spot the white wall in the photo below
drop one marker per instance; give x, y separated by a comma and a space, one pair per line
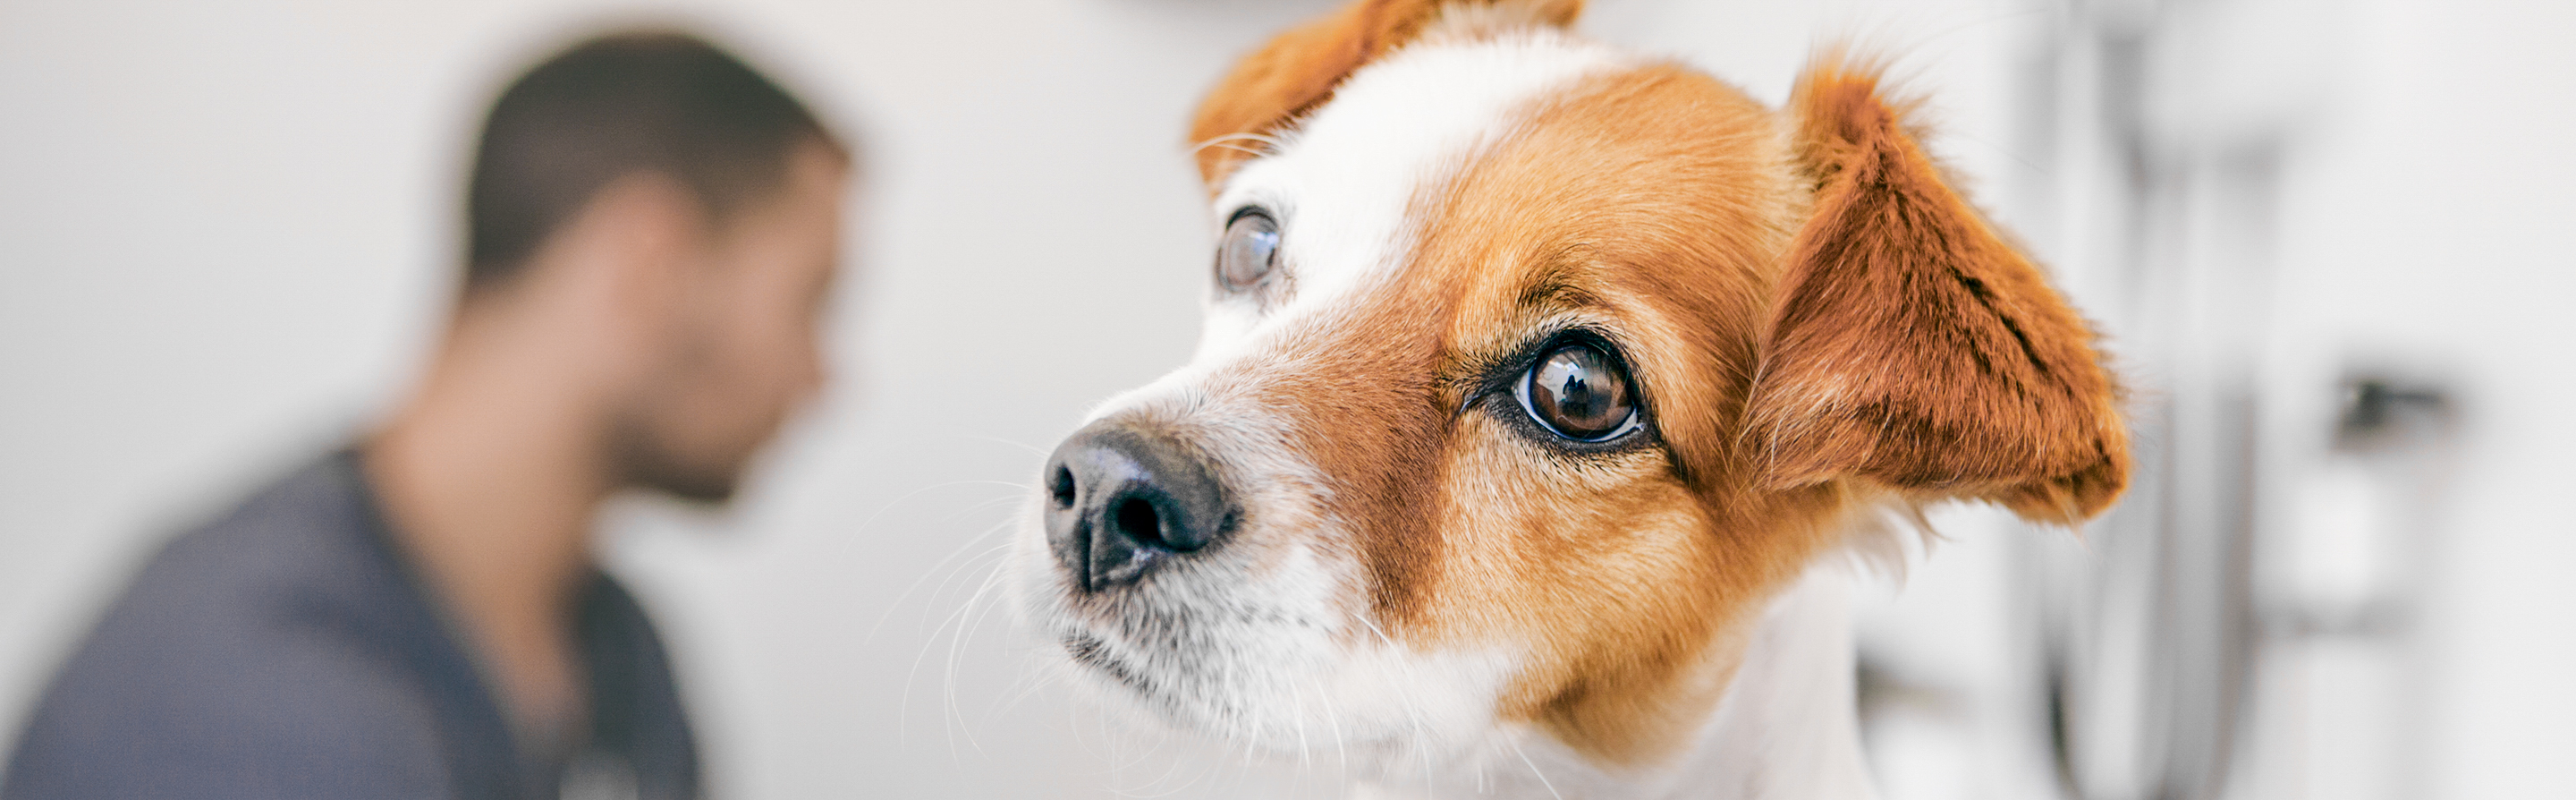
2426, 217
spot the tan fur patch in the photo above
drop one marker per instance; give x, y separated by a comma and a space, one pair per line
1652, 206
1914, 346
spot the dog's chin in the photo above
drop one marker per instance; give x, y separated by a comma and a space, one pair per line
1266, 661
1275, 712
1153, 691
1155, 662
1138, 682
1158, 697
1088, 652
1104, 642
1132, 681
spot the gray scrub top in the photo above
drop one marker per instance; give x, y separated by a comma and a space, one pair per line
287, 650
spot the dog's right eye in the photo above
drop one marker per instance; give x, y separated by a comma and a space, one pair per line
1249, 252
1580, 392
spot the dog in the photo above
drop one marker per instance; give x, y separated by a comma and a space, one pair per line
1543, 390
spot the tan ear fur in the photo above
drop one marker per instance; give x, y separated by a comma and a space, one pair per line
1298, 70
1911, 345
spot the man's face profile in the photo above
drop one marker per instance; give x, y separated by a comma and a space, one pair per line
742, 352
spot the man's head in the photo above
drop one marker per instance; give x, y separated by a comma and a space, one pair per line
681, 212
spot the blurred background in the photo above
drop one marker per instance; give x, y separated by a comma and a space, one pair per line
2324, 239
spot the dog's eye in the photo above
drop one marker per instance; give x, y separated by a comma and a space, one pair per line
1581, 393
1250, 250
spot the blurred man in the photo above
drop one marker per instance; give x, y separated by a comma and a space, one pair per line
653, 229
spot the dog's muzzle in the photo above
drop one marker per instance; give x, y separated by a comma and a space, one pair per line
1123, 501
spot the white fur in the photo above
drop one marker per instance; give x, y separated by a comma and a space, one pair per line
1343, 182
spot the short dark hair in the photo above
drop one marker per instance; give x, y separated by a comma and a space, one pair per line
644, 101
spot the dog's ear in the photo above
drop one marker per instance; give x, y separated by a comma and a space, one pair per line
1298, 70
1911, 345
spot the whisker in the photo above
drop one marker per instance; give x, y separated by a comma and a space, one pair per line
948, 693
1542, 776
1012, 442
962, 548
1297, 702
1271, 142
966, 636
1334, 718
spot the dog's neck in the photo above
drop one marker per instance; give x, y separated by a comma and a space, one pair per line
1785, 727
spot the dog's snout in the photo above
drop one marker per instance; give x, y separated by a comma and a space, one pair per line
1121, 501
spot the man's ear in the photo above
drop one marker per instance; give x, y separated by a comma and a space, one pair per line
639, 243
1911, 346
1298, 70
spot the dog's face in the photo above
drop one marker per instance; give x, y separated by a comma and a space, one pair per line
1531, 370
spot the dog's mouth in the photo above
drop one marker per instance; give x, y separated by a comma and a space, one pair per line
1090, 651
1097, 656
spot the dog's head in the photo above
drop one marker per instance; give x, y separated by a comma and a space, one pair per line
1531, 370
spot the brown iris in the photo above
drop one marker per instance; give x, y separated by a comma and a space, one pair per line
1250, 250
1581, 393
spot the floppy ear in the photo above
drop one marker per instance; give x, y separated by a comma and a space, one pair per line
1912, 346
1298, 70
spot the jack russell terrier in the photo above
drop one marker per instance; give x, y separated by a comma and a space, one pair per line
1538, 380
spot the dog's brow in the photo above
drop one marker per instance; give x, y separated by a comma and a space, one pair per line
1555, 289
1481, 368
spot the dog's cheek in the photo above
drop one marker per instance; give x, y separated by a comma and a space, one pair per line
1598, 573
1549, 538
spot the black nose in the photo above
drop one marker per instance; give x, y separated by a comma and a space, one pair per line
1121, 501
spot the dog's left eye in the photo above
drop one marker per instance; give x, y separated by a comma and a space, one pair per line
1250, 250
1581, 393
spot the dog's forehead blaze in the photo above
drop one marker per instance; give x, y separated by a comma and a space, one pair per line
1653, 202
